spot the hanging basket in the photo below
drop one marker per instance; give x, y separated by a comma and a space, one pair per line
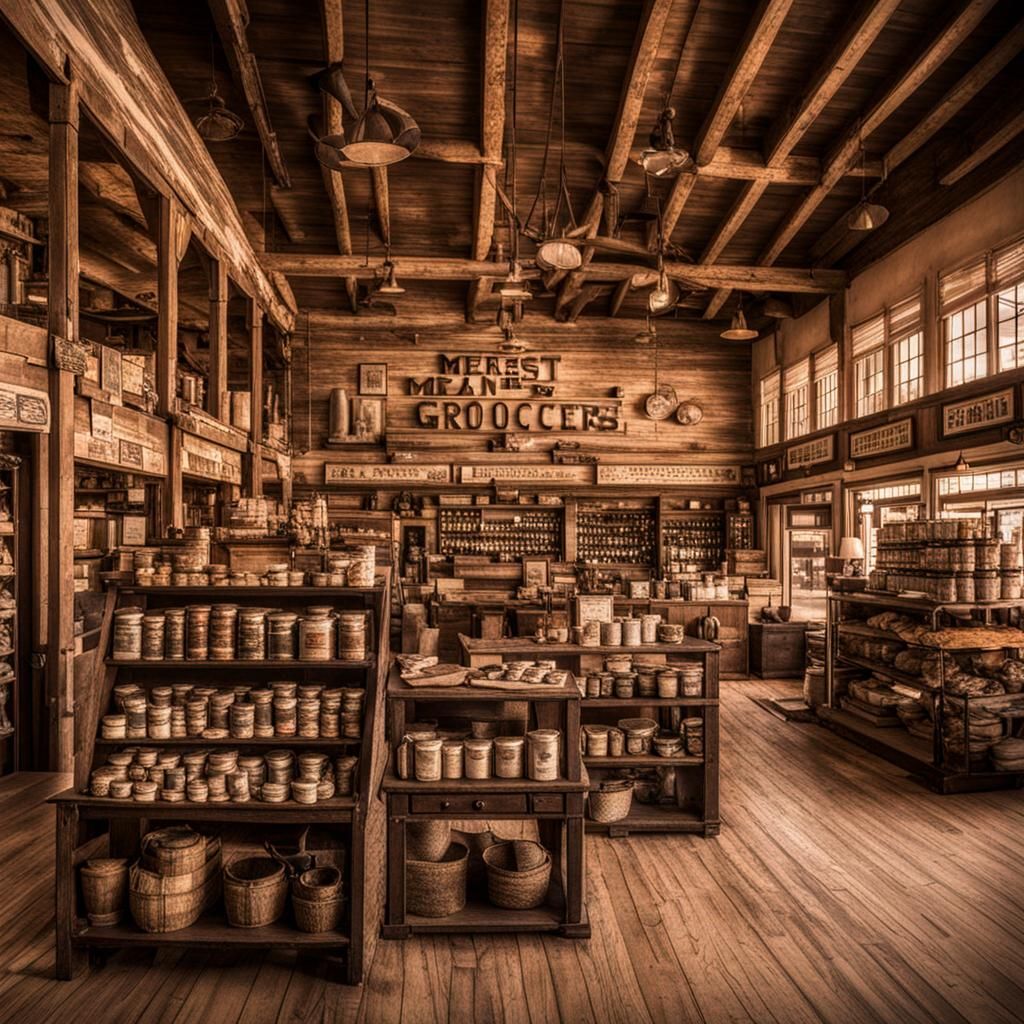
556, 254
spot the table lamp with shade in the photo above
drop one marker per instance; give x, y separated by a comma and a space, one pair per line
851, 551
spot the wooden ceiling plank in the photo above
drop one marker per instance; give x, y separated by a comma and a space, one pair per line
845, 152
957, 97
982, 149
231, 18
787, 132
746, 63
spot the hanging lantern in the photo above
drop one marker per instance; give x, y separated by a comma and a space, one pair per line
663, 158
738, 329
867, 216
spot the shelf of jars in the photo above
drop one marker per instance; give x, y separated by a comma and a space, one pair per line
9, 529
505, 754
617, 536
501, 532
650, 716
935, 688
692, 539
239, 757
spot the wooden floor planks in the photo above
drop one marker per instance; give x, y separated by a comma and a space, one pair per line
839, 890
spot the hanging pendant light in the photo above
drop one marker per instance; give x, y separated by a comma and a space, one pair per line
664, 295
514, 287
216, 123
866, 216
738, 329
663, 158
961, 465
390, 285
648, 335
381, 135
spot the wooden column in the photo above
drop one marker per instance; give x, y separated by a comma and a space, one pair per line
62, 311
254, 316
167, 306
217, 398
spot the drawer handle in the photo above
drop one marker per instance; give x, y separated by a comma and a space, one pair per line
445, 804
478, 805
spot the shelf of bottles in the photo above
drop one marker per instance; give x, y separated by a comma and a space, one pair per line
739, 530
619, 537
500, 533
695, 540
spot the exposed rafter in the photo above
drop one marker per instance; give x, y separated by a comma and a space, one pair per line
231, 18
840, 61
381, 202
634, 87
784, 279
984, 146
746, 63
495, 60
334, 38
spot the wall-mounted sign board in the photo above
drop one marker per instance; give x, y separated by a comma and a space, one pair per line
385, 473
210, 461
890, 437
810, 453
120, 437
24, 408
540, 474
977, 413
670, 475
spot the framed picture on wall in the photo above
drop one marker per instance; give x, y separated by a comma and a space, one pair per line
368, 419
536, 571
373, 379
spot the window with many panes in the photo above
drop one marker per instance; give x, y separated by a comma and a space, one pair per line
982, 309
888, 357
868, 340
769, 405
796, 385
826, 388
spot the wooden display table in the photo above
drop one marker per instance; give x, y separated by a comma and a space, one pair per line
89, 826
696, 784
556, 806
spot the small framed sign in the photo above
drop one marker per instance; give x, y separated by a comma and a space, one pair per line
890, 437
594, 608
373, 379
133, 530
977, 413
536, 571
810, 453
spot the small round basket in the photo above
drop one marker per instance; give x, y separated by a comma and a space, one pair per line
315, 916
427, 840
611, 801
437, 888
317, 884
509, 886
255, 892
104, 889
177, 850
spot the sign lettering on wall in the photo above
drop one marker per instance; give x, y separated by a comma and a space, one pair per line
497, 392
24, 408
977, 413
892, 437
669, 475
581, 474
209, 460
385, 473
810, 453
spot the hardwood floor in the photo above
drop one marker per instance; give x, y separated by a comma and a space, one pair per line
839, 890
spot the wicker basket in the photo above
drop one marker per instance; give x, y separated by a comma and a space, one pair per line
104, 888
317, 884
427, 840
510, 887
611, 801
165, 904
317, 915
437, 888
173, 851
255, 892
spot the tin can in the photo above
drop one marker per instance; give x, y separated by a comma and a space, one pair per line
508, 757
542, 754
478, 758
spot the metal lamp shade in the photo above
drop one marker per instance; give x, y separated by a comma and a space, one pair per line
851, 549
665, 163
867, 216
738, 329
557, 254
383, 134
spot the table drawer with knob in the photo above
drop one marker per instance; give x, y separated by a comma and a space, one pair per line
463, 803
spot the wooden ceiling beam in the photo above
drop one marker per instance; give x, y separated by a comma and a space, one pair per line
845, 152
746, 63
492, 137
381, 203
620, 143
789, 129
983, 147
333, 21
957, 97
427, 268
231, 18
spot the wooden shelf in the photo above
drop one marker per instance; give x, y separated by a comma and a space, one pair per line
212, 931
921, 604
478, 917
642, 761
655, 818
649, 702
393, 784
229, 741
892, 674
305, 593
277, 666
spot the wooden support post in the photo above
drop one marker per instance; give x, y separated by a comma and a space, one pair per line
64, 886
62, 311
217, 403
167, 306
254, 316
173, 490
